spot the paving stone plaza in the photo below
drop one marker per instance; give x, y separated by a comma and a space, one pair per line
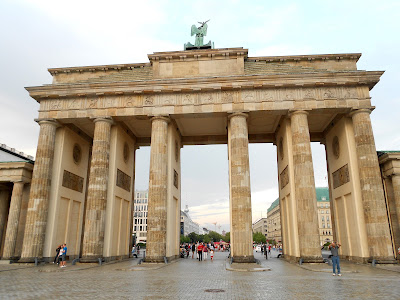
191, 279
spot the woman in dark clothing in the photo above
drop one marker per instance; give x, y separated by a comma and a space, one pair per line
57, 258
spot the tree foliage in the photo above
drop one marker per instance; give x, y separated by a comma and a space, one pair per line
259, 238
212, 236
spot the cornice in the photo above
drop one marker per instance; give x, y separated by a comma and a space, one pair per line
314, 57
54, 71
223, 53
328, 79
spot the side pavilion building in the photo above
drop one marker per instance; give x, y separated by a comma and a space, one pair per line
93, 118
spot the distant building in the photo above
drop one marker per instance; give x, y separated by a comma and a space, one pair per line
140, 203
187, 224
223, 232
324, 218
261, 226
274, 222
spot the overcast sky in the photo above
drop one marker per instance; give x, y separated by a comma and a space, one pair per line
40, 34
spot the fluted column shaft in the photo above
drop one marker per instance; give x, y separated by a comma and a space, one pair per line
241, 227
13, 220
93, 240
157, 206
373, 199
304, 185
36, 218
395, 203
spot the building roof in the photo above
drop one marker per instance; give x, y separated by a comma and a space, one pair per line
273, 205
380, 153
322, 196
12, 155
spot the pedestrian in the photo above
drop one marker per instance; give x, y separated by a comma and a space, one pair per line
193, 250
57, 258
64, 256
205, 251
269, 249
265, 251
335, 258
212, 254
200, 252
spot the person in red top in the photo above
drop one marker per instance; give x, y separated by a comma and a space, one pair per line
200, 251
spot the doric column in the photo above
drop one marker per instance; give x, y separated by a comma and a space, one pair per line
4, 205
93, 240
13, 220
373, 199
304, 184
36, 218
157, 206
240, 202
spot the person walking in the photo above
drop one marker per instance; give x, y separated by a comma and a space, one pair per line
57, 258
193, 249
335, 258
212, 254
64, 256
200, 252
205, 251
269, 249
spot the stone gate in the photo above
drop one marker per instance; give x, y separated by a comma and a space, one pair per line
92, 119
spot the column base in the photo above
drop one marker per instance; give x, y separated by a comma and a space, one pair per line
243, 259
91, 259
304, 259
30, 259
155, 259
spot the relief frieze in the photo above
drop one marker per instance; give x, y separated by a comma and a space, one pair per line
341, 176
284, 177
199, 98
123, 180
72, 181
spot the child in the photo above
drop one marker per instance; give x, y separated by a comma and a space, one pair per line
212, 254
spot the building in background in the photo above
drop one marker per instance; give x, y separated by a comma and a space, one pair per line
140, 216
274, 222
324, 215
324, 218
261, 226
187, 224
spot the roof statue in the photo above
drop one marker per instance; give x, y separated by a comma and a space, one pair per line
200, 33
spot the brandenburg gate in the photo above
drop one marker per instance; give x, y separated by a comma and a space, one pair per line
92, 119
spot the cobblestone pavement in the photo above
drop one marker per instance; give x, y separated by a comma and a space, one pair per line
191, 279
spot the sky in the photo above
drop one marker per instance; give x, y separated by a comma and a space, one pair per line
40, 34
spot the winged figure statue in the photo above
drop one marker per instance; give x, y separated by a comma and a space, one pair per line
200, 33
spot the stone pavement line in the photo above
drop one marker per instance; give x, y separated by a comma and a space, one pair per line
245, 267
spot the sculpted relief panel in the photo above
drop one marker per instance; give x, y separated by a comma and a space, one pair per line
198, 98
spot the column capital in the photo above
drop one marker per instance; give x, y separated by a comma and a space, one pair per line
103, 119
165, 118
361, 110
238, 114
48, 121
297, 112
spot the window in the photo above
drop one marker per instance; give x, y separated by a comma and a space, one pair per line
134, 229
323, 225
322, 219
329, 225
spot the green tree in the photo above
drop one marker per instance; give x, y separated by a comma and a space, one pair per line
215, 236
227, 237
206, 239
259, 238
185, 239
193, 237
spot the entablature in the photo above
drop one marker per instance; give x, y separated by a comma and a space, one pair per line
353, 78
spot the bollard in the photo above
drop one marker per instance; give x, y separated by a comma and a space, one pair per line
165, 260
75, 261
374, 262
36, 261
300, 261
100, 261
